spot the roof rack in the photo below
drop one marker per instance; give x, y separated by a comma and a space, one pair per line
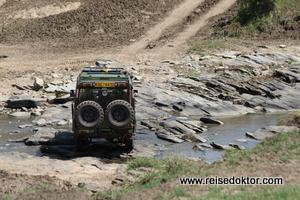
102, 70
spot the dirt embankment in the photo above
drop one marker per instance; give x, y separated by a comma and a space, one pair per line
80, 24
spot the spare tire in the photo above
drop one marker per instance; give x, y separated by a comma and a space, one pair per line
119, 114
89, 115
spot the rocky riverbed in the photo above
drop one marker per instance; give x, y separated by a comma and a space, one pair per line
176, 100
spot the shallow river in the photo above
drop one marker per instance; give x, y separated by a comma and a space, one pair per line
232, 129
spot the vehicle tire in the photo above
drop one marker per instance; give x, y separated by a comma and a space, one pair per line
89, 115
129, 142
119, 114
79, 142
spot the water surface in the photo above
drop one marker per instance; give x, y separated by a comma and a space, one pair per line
233, 128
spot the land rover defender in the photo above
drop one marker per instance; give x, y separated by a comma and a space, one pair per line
104, 106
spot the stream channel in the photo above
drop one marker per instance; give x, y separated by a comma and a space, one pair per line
233, 128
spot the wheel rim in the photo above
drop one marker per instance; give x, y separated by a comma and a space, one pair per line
88, 115
119, 115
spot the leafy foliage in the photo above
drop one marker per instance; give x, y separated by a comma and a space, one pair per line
251, 10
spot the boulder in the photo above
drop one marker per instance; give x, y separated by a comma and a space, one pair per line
26, 101
282, 46
38, 84
41, 122
21, 114
210, 121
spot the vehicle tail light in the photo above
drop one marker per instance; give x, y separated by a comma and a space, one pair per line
87, 84
122, 84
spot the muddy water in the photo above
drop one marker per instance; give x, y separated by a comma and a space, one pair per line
233, 128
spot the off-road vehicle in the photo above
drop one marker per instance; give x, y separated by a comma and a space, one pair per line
104, 106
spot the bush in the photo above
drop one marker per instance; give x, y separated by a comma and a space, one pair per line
253, 10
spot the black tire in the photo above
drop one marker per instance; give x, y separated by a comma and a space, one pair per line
119, 114
89, 115
79, 142
129, 142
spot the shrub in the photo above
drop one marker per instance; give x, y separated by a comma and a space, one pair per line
253, 10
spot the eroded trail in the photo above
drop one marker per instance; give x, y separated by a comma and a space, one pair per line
172, 49
173, 18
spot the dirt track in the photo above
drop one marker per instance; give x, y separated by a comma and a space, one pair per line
172, 49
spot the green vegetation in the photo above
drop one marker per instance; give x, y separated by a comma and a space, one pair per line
41, 187
5, 198
283, 148
282, 145
295, 121
253, 17
210, 47
179, 192
160, 171
257, 16
203, 46
266, 193
254, 10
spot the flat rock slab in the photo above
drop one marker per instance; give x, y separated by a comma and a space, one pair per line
270, 131
221, 147
21, 114
210, 121
237, 146
51, 136
176, 127
190, 137
170, 137
90, 171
